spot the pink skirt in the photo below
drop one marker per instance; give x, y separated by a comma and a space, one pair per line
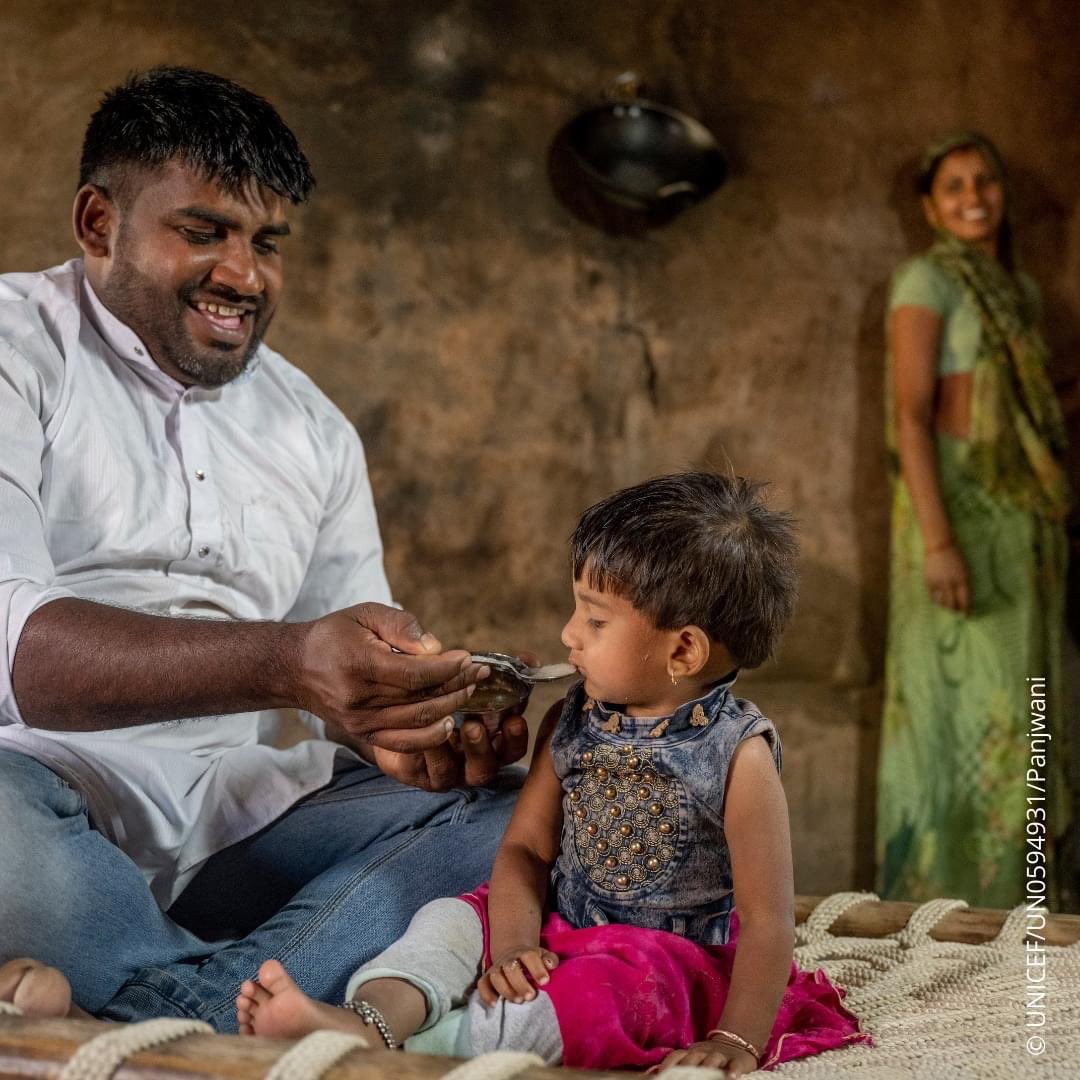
626, 997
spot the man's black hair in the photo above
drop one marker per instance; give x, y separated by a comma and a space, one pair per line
696, 549
211, 124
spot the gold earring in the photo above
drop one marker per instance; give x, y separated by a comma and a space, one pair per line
674, 681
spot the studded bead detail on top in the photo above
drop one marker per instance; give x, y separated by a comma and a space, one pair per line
625, 817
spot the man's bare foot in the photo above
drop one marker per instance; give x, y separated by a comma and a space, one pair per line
277, 1007
36, 990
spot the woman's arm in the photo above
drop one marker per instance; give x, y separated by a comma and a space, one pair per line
519, 879
916, 338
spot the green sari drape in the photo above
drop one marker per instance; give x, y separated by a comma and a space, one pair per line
952, 795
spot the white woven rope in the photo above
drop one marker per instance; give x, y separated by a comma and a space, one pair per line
315, 1054
1013, 930
942, 1008
498, 1065
923, 920
99, 1058
816, 926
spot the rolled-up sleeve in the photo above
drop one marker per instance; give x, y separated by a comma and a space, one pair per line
27, 573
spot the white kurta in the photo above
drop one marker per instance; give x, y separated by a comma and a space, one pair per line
120, 485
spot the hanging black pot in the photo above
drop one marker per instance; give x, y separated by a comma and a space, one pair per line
640, 156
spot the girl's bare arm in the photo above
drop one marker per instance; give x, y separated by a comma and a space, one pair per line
758, 836
519, 879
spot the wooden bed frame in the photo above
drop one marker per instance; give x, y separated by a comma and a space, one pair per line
38, 1048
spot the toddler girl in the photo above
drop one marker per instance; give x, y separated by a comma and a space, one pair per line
607, 936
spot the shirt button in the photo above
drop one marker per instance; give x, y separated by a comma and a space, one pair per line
203, 552
200, 474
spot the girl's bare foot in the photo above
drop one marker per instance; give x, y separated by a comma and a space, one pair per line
277, 1007
36, 990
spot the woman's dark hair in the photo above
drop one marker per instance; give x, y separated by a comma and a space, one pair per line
211, 124
970, 140
696, 549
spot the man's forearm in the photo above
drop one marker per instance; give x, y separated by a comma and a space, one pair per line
83, 666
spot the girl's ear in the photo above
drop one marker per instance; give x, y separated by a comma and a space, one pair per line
690, 651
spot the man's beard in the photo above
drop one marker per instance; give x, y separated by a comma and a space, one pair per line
134, 298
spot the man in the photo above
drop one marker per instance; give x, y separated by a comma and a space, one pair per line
183, 519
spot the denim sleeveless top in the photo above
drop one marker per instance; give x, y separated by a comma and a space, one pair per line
643, 824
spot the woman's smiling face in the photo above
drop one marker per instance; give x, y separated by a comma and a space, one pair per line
967, 198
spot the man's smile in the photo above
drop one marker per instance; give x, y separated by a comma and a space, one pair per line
222, 321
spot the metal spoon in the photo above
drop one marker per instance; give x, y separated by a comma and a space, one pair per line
518, 667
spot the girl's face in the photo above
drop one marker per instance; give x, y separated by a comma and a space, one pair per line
967, 198
621, 656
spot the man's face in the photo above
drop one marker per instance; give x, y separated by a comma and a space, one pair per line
195, 272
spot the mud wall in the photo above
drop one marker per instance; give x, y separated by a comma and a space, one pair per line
507, 363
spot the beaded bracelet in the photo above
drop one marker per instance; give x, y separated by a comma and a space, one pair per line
370, 1015
736, 1040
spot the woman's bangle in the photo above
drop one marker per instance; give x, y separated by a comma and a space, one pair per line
934, 549
735, 1040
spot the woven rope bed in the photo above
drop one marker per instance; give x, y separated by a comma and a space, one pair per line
943, 989
940, 1008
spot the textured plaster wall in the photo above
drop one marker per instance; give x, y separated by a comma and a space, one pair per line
507, 364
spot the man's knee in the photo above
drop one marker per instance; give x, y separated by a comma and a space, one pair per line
40, 813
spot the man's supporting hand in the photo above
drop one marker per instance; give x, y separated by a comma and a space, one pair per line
471, 758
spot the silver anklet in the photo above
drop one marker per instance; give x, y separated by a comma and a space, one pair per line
370, 1015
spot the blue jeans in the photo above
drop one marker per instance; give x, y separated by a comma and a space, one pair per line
323, 889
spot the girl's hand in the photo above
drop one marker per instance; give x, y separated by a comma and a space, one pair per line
711, 1054
945, 572
509, 974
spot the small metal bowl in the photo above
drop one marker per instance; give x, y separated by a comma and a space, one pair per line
501, 695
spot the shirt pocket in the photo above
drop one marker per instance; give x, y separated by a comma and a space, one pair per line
271, 555
267, 522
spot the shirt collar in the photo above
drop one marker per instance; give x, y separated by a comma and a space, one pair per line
121, 338
123, 341
694, 714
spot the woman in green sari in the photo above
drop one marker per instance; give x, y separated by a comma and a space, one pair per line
977, 570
